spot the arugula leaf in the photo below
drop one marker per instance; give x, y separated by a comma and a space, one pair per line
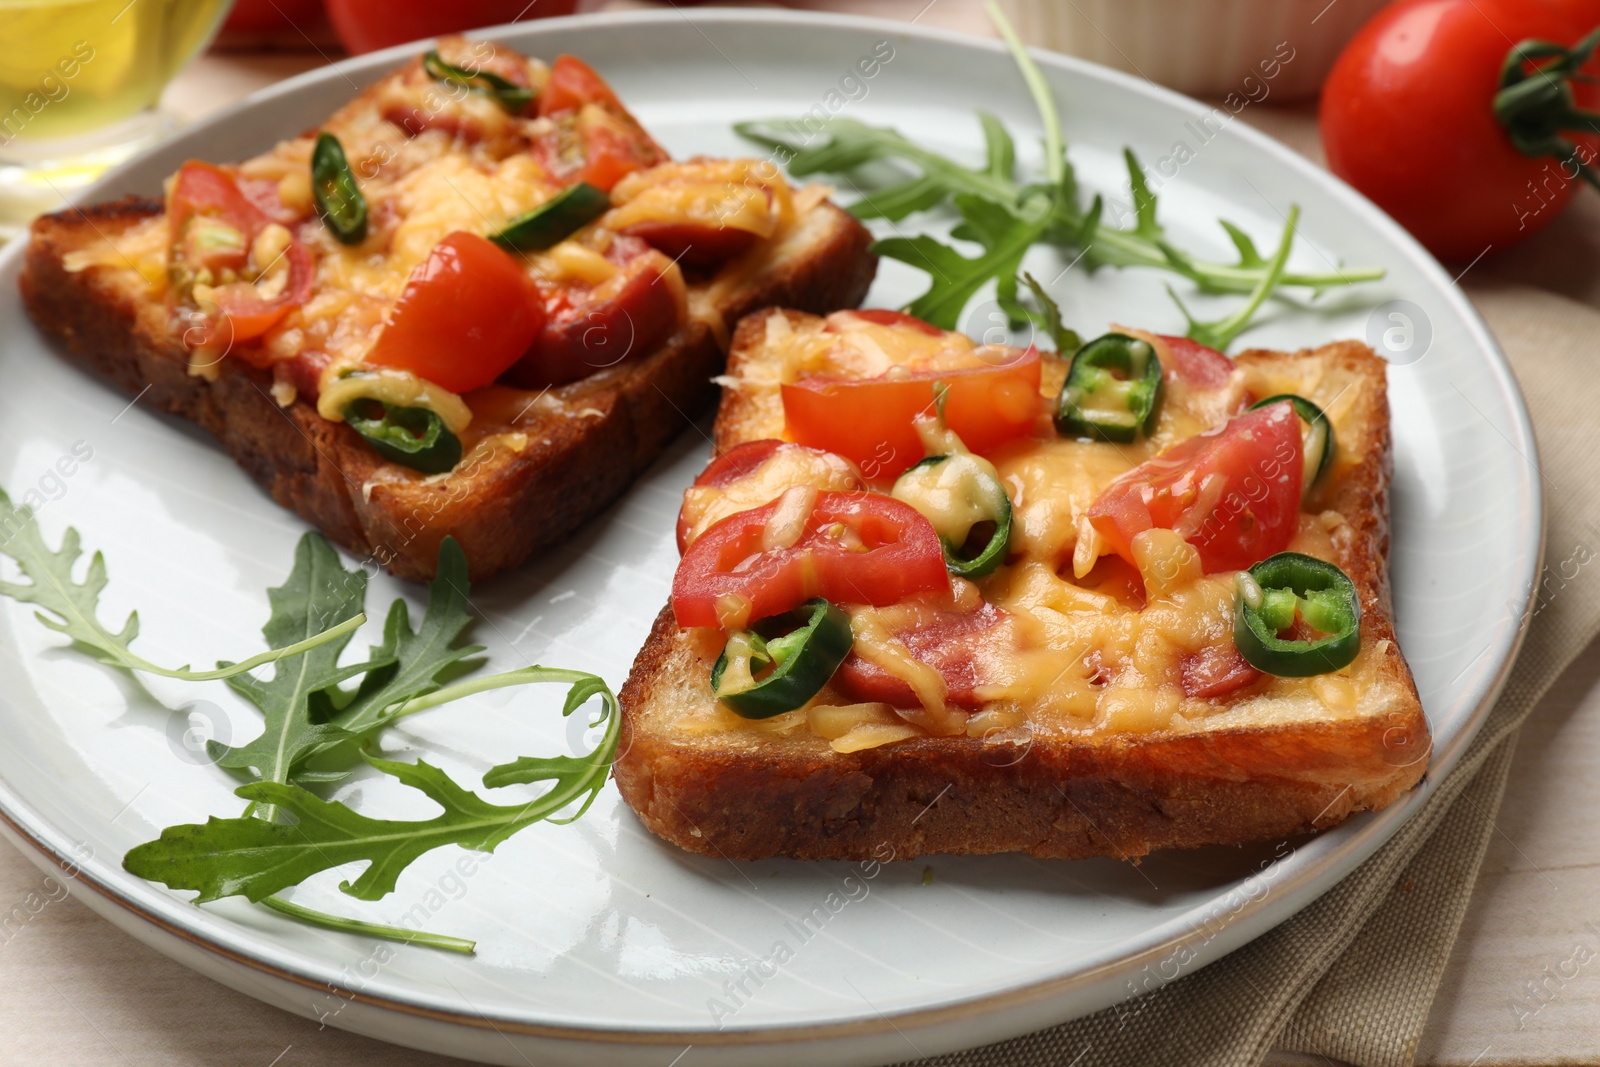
954, 278
1220, 334
296, 702
69, 606
366, 929
415, 662
1048, 319
863, 153
255, 858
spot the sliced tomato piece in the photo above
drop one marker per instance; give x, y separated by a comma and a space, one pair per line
949, 643
595, 139
756, 473
887, 317
852, 548
628, 316
213, 225
468, 312
246, 314
869, 420
1215, 671
206, 189
1233, 492
1196, 363
738, 461
572, 84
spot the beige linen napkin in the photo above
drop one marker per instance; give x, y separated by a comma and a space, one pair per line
1352, 977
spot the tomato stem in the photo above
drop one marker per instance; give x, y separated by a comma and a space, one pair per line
1536, 103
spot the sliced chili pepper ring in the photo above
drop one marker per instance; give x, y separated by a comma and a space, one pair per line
801, 660
338, 197
1112, 391
1286, 588
412, 437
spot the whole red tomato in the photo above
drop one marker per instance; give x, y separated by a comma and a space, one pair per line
273, 16
1407, 119
368, 25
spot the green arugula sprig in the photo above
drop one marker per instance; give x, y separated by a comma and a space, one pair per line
1005, 217
69, 606
254, 858
315, 731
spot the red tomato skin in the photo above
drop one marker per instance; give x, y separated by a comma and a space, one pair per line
888, 317
205, 188
241, 316
365, 26
589, 117
468, 313
273, 16
869, 421
948, 644
1251, 516
738, 461
572, 84
903, 557
1406, 118
1196, 363
583, 333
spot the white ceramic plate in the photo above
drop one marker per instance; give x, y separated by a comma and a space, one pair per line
596, 940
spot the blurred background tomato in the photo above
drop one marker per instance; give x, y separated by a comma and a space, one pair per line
367, 25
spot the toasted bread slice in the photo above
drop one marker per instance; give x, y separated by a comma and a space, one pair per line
542, 463
1267, 761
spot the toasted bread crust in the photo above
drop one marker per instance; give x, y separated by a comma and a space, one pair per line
510, 504
1120, 795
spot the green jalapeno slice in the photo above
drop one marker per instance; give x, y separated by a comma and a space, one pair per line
1290, 592
514, 98
1112, 391
338, 197
1319, 440
412, 437
554, 220
765, 672
961, 494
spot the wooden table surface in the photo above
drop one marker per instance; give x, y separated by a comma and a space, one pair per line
1522, 986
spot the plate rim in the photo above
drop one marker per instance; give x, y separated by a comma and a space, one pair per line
22, 823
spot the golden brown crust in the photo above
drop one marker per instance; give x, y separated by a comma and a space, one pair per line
1057, 795
511, 502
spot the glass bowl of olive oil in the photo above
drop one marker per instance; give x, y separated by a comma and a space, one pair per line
79, 84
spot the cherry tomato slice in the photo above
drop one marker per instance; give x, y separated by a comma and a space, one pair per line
246, 315
854, 548
869, 421
1196, 363
240, 313
949, 643
888, 317
596, 139
572, 84
468, 312
1233, 492
756, 473
628, 316
737, 462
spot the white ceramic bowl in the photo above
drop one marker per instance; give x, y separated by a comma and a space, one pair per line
1256, 48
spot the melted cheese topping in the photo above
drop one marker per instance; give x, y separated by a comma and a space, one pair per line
433, 158
1088, 650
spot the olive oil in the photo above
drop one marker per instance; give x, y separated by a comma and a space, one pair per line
71, 67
